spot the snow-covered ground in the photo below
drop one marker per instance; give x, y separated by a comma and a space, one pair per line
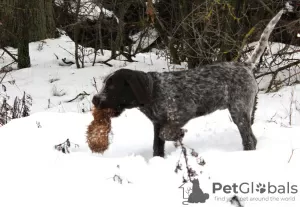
33, 173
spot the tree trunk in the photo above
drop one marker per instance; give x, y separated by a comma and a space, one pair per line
23, 19
41, 24
50, 23
8, 29
76, 33
37, 24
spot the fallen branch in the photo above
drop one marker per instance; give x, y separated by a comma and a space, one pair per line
81, 94
67, 62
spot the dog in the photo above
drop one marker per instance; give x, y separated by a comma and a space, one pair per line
171, 99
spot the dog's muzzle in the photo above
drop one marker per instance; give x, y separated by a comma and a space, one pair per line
97, 99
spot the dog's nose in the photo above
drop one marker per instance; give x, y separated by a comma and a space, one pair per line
96, 100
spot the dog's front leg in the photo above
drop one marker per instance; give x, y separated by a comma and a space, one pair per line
171, 132
158, 143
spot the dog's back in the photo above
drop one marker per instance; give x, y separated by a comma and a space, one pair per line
202, 90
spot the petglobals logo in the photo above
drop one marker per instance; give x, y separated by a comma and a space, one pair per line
256, 192
251, 188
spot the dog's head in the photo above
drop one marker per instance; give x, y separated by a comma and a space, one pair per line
124, 89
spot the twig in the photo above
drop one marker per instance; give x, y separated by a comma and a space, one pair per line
279, 69
66, 50
106, 62
56, 56
4, 67
275, 73
185, 157
67, 62
292, 154
235, 201
266, 7
271, 120
9, 53
191, 173
111, 58
2, 54
81, 94
291, 107
118, 178
3, 77
64, 147
95, 84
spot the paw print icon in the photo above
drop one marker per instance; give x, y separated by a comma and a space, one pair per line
261, 188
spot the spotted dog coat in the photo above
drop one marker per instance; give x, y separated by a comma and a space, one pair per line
171, 99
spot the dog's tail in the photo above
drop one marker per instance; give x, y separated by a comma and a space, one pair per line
262, 43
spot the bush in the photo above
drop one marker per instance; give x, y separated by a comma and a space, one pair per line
20, 108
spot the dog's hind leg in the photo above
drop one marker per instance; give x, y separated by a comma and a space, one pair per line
242, 119
158, 143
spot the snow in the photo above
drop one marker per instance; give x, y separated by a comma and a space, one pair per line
33, 173
144, 38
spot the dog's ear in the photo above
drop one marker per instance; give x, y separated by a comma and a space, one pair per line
141, 85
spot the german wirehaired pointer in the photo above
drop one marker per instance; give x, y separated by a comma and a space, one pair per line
171, 99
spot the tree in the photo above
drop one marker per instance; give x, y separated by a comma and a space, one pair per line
41, 22
50, 22
76, 33
23, 22
23, 19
